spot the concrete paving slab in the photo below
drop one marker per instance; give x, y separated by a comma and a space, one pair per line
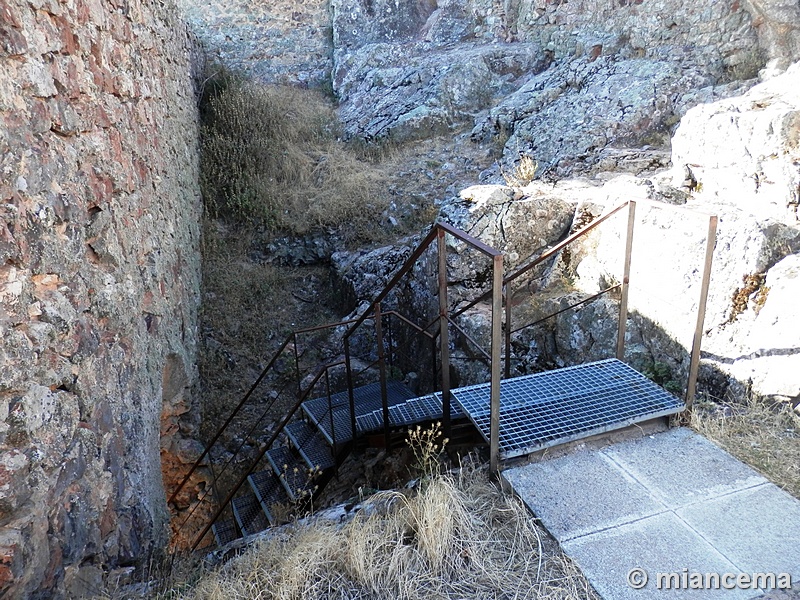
668, 503
580, 493
680, 467
658, 544
758, 529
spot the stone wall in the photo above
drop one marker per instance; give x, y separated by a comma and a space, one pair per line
280, 41
99, 284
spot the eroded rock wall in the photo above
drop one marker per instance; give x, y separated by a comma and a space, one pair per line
281, 41
99, 284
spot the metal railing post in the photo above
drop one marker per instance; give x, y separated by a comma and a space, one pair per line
382, 371
297, 364
389, 342
433, 365
350, 394
694, 363
497, 308
330, 409
626, 276
444, 338
507, 296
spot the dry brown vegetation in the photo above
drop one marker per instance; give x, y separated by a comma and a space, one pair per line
457, 536
271, 154
248, 309
765, 436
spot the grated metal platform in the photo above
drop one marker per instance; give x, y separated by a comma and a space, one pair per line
545, 409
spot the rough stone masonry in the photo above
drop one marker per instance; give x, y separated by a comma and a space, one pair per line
99, 284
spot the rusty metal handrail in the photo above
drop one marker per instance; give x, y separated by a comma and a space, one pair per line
292, 337
412, 259
469, 338
694, 361
230, 418
438, 232
591, 298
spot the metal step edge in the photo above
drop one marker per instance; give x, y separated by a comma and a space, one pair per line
218, 529
267, 502
251, 502
614, 426
291, 462
302, 446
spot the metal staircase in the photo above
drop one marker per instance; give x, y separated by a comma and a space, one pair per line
325, 421
307, 461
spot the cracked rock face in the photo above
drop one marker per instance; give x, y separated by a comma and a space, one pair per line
618, 76
99, 284
745, 151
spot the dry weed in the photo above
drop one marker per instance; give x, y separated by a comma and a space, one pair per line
765, 436
271, 154
457, 537
523, 173
427, 446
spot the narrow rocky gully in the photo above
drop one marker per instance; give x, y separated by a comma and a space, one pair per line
186, 185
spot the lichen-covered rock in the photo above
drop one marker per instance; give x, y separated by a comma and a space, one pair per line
99, 284
280, 41
565, 117
408, 90
516, 222
620, 77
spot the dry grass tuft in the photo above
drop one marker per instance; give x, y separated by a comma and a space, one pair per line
457, 537
765, 436
271, 154
523, 173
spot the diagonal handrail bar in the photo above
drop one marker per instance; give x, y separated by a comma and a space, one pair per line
438, 232
521, 270
292, 337
264, 449
469, 338
230, 418
413, 258
587, 300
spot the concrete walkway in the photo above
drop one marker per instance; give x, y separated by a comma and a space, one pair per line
671, 502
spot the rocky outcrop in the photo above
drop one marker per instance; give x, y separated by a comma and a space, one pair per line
744, 152
619, 74
562, 82
99, 285
407, 91
280, 41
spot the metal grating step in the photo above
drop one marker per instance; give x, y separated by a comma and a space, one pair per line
224, 531
296, 477
547, 409
270, 493
410, 412
248, 514
337, 427
367, 399
312, 446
